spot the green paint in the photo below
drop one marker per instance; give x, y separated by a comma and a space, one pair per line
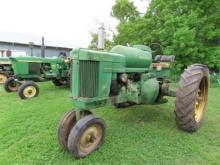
149, 91
94, 71
30, 67
135, 58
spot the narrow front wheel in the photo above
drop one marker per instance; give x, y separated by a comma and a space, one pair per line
11, 85
86, 136
66, 124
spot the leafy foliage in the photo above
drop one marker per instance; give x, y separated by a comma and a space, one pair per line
188, 29
124, 10
94, 42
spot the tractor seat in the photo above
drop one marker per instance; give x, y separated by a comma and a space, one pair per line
164, 58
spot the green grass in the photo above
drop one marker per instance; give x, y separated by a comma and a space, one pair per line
136, 135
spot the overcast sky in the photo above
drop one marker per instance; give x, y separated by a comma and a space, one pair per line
67, 20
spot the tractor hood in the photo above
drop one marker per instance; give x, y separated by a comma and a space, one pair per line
4, 60
93, 55
35, 59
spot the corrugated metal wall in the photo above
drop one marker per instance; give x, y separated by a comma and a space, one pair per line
49, 52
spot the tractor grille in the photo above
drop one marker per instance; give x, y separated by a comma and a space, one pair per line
88, 78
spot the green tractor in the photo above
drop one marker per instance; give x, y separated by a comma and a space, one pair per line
28, 70
124, 77
6, 70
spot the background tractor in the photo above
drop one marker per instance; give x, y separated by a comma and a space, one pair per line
28, 70
6, 70
124, 77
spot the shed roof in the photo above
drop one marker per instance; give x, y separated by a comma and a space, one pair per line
25, 39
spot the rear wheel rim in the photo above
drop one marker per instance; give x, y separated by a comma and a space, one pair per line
3, 78
91, 138
201, 99
30, 91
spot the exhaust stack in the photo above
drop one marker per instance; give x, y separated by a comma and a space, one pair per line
101, 37
42, 48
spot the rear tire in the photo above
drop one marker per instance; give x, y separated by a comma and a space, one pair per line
191, 97
58, 82
28, 90
11, 85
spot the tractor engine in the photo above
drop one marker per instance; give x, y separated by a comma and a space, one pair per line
148, 86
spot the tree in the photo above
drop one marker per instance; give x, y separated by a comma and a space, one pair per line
128, 15
188, 29
94, 42
124, 11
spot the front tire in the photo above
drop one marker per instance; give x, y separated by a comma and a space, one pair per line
86, 136
11, 85
66, 124
28, 90
191, 97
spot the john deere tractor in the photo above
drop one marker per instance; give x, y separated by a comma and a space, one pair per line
28, 70
124, 77
6, 70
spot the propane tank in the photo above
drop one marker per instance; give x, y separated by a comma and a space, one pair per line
134, 57
143, 47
